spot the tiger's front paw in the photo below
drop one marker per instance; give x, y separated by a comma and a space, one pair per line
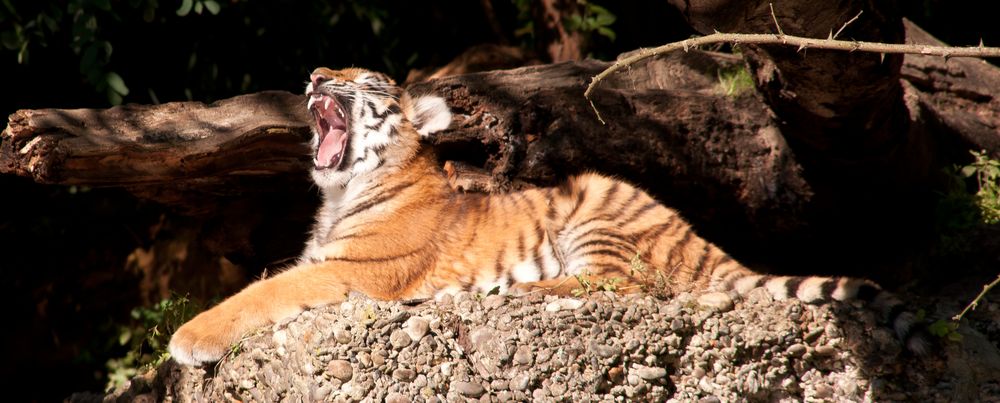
204, 339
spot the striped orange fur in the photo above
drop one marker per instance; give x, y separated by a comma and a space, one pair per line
392, 228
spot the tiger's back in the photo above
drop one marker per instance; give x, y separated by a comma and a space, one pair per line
591, 226
391, 227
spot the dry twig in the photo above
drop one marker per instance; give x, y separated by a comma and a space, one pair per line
975, 302
834, 36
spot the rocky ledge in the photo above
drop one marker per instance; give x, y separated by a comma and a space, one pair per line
601, 347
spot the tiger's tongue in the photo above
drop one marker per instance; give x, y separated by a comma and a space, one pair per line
331, 148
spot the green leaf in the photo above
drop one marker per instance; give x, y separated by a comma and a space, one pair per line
107, 49
955, 336
185, 7
51, 23
574, 22
212, 6
113, 97
116, 83
602, 16
527, 30
124, 337
992, 171
22, 55
606, 32
494, 291
968, 171
940, 328
197, 7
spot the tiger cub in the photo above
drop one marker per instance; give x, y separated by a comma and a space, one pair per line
391, 227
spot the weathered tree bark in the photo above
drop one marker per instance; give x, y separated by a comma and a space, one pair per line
959, 95
258, 134
183, 154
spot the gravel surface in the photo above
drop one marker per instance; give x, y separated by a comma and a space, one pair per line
602, 347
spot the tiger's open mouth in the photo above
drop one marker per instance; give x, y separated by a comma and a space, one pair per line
331, 125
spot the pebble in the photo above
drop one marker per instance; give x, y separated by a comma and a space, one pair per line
340, 369
825, 350
499, 384
605, 351
523, 356
651, 373
480, 337
342, 335
364, 359
280, 337
562, 304
399, 339
396, 397
494, 301
404, 374
378, 358
676, 325
416, 327
520, 382
469, 389
797, 349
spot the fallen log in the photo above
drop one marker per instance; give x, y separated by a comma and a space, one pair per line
255, 135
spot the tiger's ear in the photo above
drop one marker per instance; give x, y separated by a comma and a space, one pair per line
428, 113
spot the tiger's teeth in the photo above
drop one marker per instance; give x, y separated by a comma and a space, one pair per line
340, 112
326, 103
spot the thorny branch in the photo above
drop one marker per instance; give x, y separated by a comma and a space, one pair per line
975, 302
790, 40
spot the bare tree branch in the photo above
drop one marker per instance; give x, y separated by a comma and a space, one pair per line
775, 18
790, 40
834, 36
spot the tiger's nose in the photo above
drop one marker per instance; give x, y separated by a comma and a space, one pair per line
318, 79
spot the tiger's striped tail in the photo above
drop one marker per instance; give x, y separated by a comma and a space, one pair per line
731, 276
